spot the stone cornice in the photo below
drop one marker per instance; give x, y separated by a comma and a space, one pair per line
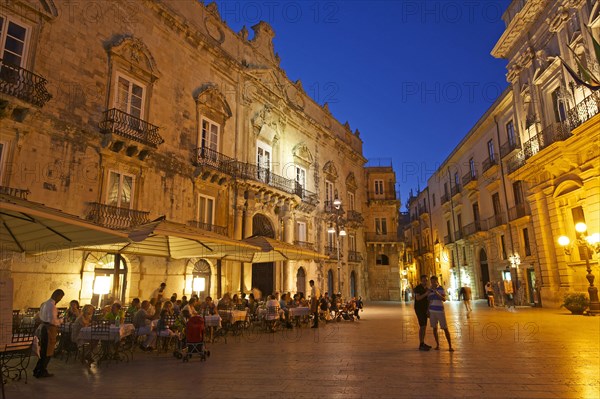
517, 27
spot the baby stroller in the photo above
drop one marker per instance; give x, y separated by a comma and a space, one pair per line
193, 342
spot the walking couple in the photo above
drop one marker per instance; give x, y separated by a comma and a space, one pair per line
429, 300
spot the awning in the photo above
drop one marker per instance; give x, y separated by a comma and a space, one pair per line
167, 239
33, 228
272, 250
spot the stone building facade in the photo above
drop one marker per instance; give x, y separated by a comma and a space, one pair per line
158, 109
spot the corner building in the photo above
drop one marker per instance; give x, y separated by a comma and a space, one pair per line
157, 108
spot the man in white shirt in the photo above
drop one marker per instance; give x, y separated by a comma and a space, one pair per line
48, 331
159, 293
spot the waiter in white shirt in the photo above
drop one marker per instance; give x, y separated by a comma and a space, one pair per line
49, 330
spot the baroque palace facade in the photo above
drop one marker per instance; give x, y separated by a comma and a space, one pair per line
527, 172
158, 109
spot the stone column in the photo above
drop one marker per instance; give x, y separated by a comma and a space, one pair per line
246, 271
288, 266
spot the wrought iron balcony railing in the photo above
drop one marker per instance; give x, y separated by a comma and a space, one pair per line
448, 240
15, 192
354, 256
305, 245
422, 209
584, 110
204, 156
509, 147
469, 177
474, 227
23, 84
354, 217
455, 190
125, 125
379, 237
445, 198
489, 162
496, 220
209, 227
332, 252
518, 211
115, 217
458, 234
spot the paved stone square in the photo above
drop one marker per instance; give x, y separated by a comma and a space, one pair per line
531, 353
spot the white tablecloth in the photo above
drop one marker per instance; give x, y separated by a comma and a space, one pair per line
115, 333
301, 311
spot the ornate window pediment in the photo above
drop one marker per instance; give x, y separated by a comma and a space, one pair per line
330, 170
302, 154
351, 182
268, 125
567, 186
212, 102
134, 57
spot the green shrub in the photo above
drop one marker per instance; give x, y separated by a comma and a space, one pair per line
576, 302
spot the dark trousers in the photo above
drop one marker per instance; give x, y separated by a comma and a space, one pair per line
42, 364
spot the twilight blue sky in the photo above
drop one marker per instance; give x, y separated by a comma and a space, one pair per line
412, 75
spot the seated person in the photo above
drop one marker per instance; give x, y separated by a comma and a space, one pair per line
163, 327
134, 307
142, 322
208, 307
252, 304
152, 308
191, 307
283, 305
272, 305
225, 302
84, 320
244, 300
115, 311
184, 301
73, 312
324, 307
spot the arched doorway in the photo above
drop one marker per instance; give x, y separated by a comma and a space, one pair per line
330, 283
110, 280
263, 274
352, 284
485, 272
301, 280
201, 279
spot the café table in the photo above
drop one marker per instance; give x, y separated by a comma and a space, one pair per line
110, 340
298, 314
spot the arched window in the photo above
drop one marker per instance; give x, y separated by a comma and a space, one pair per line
383, 260
301, 280
110, 280
201, 278
330, 282
261, 226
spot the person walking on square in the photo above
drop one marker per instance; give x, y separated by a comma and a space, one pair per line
509, 292
489, 292
437, 297
314, 304
421, 308
48, 331
465, 294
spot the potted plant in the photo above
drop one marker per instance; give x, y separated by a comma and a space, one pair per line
576, 302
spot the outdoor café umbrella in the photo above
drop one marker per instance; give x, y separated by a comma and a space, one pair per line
33, 228
272, 250
168, 239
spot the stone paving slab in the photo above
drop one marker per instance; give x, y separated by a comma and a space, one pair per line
531, 353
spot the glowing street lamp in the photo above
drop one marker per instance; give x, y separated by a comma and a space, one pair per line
592, 244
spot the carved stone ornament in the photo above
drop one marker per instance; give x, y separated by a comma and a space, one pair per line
330, 170
267, 124
302, 152
351, 181
135, 52
209, 96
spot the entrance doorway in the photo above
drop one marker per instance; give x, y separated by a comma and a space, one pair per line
263, 274
352, 284
330, 282
110, 280
485, 271
533, 298
301, 280
201, 279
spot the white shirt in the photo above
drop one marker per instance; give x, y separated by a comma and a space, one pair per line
49, 312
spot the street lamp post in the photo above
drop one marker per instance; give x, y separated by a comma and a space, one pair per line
592, 244
340, 232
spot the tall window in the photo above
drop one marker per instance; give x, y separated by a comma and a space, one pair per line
380, 226
558, 106
496, 204
301, 176
491, 152
129, 96
459, 223
510, 134
120, 190
328, 191
2, 159
209, 135
518, 192
263, 160
206, 209
301, 231
526, 242
350, 201
433, 200
456, 179
472, 167
378, 187
446, 189
331, 240
449, 230
13, 41
476, 212
352, 243
502, 246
